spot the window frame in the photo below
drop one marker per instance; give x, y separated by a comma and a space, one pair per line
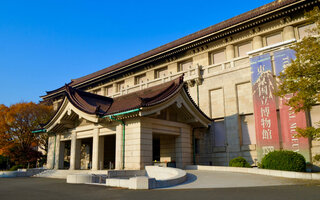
118, 86
157, 71
271, 35
184, 62
212, 62
137, 79
242, 44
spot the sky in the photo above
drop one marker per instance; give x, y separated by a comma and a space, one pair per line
44, 44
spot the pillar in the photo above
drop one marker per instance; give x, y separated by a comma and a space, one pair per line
101, 152
119, 147
184, 148
257, 42
57, 152
288, 33
95, 149
61, 155
50, 154
75, 152
230, 52
145, 146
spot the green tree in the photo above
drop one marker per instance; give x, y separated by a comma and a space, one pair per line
16, 124
302, 76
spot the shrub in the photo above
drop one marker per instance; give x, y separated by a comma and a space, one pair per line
316, 157
284, 160
15, 167
239, 162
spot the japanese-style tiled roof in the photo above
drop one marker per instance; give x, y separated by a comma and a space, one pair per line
189, 38
88, 102
100, 105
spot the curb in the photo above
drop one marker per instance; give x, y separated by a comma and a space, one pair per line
267, 172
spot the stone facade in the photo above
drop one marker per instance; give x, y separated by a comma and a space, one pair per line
218, 79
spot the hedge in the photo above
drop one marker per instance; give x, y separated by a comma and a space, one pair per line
284, 160
239, 162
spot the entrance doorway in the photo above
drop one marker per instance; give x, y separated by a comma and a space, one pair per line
156, 149
86, 153
66, 154
109, 152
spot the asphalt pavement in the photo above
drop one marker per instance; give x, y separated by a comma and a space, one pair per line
47, 189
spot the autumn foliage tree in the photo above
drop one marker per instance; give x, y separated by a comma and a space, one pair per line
16, 124
302, 76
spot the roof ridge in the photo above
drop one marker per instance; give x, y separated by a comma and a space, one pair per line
188, 38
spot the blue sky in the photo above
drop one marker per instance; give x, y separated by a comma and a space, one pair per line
45, 44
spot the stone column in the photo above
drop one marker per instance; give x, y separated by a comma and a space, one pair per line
145, 146
95, 149
78, 153
257, 42
230, 52
50, 151
61, 155
57, 152
101, 152
73, 151
288, 33
183, 148
119, 146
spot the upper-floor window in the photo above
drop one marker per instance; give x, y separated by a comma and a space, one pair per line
273, 39
185, 65
160, 73
120, 86
306, 30
109, 90
97, 91
140, 79
218, 57
244, 48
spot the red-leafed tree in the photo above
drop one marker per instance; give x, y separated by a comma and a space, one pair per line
16, 124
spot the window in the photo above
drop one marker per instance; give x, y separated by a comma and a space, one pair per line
140, 79
248, 129
98, 91
183, 66
305, 30
108, 90
160, 73
218, 57
244, 48
273, 39
219, 133
120, 86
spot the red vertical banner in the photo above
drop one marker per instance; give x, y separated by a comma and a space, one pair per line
289, 119
265, 113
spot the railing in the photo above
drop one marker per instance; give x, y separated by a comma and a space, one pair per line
193, 72
236, 63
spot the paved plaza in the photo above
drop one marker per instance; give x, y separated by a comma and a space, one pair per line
217, 179
214, 185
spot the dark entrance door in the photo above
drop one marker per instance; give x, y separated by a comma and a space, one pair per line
156, 149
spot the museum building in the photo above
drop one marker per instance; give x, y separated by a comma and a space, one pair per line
203, 99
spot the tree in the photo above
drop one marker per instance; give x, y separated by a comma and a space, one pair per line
16, 124
302, 76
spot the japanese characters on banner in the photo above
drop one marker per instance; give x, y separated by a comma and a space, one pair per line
266, 125
289, 119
